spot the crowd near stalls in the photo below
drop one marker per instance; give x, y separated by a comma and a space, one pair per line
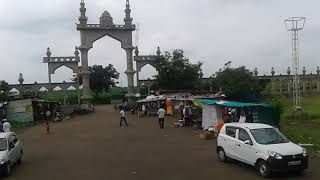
207, 113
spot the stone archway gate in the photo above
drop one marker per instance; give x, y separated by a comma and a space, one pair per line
92, 32
143, 60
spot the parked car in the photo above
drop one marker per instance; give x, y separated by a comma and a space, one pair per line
10, 151
261, 146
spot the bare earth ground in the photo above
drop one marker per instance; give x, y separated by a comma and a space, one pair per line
95, 147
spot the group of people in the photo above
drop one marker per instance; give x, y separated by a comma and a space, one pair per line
5, 126
161, 115
185, 113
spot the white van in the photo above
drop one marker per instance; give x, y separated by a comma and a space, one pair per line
261, 146
10, 151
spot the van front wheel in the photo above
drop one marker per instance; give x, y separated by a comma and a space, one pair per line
263, 168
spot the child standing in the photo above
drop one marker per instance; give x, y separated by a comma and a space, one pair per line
47, 128
122, 116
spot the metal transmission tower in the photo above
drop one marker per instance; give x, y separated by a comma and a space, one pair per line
137, 35
295, 24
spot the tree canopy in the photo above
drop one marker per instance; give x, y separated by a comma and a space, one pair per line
177, 73
236, 83
103, 78
4, 87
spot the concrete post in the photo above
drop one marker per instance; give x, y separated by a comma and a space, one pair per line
50, 84
130, 74
289, 88
149, 91
310, 86
78, 88
138, 84
65, 97
304, 87
86, 97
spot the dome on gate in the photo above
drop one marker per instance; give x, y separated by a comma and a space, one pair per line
106, 19
106, 14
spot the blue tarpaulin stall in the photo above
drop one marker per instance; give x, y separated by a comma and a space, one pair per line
213, 111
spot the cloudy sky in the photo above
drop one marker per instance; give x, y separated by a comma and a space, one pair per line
246, 32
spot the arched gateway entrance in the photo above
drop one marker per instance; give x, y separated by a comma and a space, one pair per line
93, 32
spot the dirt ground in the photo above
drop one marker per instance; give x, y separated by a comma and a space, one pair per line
95, 147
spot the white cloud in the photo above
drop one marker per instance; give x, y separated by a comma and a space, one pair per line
247, 32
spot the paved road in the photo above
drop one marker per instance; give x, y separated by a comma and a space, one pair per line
95, 147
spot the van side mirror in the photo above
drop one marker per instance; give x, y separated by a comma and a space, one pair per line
248, 142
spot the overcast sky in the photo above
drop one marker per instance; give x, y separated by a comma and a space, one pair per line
246, 32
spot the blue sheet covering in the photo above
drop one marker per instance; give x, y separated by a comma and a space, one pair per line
232, 103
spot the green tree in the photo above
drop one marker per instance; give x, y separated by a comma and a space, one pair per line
177, 73
103, 78
236, 83
4, 87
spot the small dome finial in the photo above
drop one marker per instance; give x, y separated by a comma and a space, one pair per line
136, 51
76, 52
272, 71
255, 72
289, 71
158, 51
304, 70
48, 52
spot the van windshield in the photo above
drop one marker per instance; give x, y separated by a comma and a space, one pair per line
268, 136
3, 144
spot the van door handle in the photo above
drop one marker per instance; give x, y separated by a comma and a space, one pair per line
238, 145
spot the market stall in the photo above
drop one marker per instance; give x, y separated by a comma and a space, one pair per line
214, 111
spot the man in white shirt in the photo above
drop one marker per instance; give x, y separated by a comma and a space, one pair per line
161, 114
6, 126
144, 110
187, 114
122, 116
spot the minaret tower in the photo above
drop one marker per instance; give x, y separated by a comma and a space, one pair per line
83, 18
128, 19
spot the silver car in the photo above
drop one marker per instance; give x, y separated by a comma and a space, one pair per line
10, 151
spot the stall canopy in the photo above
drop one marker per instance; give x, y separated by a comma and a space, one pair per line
230, 104
213, 110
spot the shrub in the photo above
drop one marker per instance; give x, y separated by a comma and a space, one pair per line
102, 98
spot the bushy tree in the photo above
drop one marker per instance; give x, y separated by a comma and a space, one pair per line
103, 78
4, 87
177, 73
237, 83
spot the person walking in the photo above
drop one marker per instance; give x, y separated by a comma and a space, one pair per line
123, 116
187, 114
161, 113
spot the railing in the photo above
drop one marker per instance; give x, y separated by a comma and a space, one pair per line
63, 59
145, 58
114, 26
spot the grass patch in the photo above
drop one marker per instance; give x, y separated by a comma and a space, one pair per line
101, 98
306, 129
